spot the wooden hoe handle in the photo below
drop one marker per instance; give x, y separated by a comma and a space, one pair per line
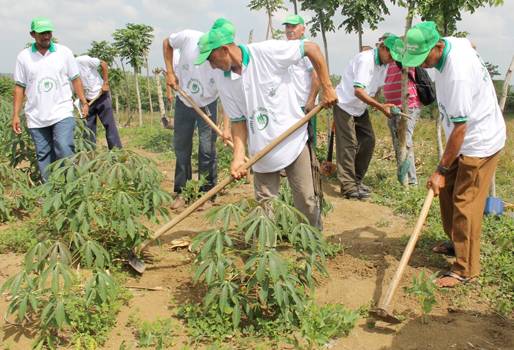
256, 157
408, 251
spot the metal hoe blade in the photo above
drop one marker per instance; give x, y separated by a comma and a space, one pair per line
384, 315
137, 264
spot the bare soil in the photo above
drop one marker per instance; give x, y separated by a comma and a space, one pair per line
372, 239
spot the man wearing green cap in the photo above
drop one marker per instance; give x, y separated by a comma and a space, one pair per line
303, 74
355, 139
475, 132
270, 106
43, 74
198, 82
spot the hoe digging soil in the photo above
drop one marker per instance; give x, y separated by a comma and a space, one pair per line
138, 265
383, 312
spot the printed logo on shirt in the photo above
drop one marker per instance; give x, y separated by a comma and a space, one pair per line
212, 82
195, 87
260, 119
46, 84
185, 66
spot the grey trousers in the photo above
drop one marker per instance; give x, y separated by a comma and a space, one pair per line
299, 175
393, 124
355, 142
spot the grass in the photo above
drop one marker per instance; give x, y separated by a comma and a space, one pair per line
497, 278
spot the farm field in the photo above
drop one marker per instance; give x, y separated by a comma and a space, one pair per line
369, 238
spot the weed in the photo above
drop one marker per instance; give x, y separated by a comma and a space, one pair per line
192, 190
157, 334
17, 240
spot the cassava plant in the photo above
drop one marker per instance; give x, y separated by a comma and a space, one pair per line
16, 196
248, 266
423, 288
92, 211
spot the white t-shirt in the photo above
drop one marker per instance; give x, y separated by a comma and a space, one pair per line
465, 93
196, 81
46, 80
230, 87
365, 71
91, 80
271, 103
301, 75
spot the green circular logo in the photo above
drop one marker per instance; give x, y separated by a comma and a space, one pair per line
46, 84
195, 86
262, 121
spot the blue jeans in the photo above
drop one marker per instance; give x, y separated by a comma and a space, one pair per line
103, 109
185, 121
393, 123
52, 143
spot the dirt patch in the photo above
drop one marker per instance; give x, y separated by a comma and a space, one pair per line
371, 236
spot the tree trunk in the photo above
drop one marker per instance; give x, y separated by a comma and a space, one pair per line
159, 93
438, 127
148, 86
325, 47
506, 84
138, 95
269, 31
360, 38
127, 92
117, 106
402, 128
295, 4
250, 37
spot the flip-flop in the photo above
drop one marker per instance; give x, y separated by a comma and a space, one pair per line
453, 275
446, 248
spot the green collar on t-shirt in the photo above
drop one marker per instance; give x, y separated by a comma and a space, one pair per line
246, 58
51, 48
377, 57
447, 48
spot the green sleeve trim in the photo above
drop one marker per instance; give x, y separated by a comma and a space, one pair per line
459, 119
74, 77
358, 85
236, 120
19, 83
302, 48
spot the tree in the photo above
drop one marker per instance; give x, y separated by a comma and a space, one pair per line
361, 12
271, 6
492, 69
322, 22
103, 50
295, 6
133, 43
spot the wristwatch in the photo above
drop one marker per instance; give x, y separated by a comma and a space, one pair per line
442, 170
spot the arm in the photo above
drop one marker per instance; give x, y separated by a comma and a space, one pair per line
105, 75
362, 95
314, 54
239, 135
167, 51
451, 152
18, 94
79, 90
315, 85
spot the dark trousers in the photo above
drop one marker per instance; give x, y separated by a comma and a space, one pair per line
355, 142
185, 121
103, 109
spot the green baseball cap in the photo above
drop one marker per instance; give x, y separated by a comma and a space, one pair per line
421, 38
221, 33
395, 46
41, 24
294, 20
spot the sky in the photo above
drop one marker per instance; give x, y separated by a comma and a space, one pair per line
77, 23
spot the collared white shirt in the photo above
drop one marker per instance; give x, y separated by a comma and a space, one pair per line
230, 87
271, 103
465, 93
364, 71
91, 79
196, 80
46, 79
